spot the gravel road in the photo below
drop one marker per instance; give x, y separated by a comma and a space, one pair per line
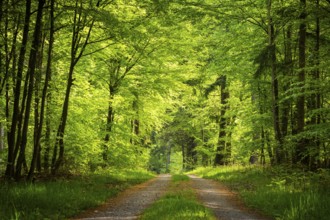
223, 202
130, 203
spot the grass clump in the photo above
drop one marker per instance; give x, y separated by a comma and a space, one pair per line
179, 202
63, 197
280, 192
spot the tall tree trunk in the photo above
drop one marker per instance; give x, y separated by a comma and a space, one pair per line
17, 92
40, 119
135, 122
275, 93
220, 157
59, 143
80, 22
39, 113
301, 148
289, 69
30, 73
47, 134
110, 120
315, 99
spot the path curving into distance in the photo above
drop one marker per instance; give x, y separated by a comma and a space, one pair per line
130, 203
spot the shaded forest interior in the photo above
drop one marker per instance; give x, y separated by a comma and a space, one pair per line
162, 85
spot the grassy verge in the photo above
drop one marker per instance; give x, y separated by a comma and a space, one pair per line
278, 192
63, 198
179, 203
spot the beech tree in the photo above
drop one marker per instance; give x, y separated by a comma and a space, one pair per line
88, 85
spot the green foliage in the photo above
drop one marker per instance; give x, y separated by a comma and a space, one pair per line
178, 203
278, 192
64, 197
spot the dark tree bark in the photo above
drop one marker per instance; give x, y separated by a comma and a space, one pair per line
191, 154
110, 120
40, 119
289, 70
301, 148
30, 73
315, 99
17, 92
135, 122
275, 90
221, 152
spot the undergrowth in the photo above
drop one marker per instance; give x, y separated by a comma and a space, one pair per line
63, 198
280, 192
178, 203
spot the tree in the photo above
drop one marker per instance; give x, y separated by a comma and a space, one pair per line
78, 45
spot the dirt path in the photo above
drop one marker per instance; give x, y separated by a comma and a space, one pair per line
130, 203
224, 203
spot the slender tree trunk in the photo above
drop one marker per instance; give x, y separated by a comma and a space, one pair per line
184, 158
275, 92
17, 91
30, 73
40, 119
135, 123
110, 119
289, 69
220, 157
301, 149
315, 98
59, 143
77, 50
47, 134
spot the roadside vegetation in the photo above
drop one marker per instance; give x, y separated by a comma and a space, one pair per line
280, 192
179, 202
64, 197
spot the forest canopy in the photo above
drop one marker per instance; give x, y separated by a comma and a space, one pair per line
162, 85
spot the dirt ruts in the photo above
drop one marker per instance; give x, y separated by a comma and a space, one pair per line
222, 201
132, 202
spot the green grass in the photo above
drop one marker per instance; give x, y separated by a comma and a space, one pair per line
179, 203
280, 192
63, 198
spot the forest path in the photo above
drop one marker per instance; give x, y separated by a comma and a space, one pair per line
130, 203
133, 201
224, 203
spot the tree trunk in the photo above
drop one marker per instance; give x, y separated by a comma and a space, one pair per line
40, 118
275, 93
135, 122
110, 119
315, 99
301, 148
289, 69
79, 24
30, 73
59, 143
220, 157
17, 92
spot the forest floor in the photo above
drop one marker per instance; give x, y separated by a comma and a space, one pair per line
132, 202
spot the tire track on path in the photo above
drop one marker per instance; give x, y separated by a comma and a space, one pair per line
221, 201
130, 203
